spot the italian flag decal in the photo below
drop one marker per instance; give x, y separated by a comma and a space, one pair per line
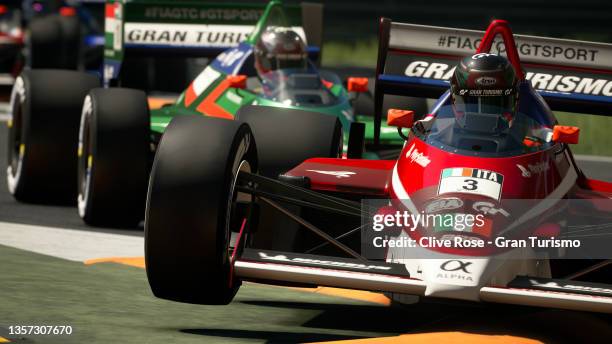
113, 30
472, 181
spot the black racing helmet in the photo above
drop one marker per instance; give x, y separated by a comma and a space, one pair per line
280, 48
485, 84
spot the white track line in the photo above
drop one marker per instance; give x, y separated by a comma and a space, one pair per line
70, 244
593, 158
4, 109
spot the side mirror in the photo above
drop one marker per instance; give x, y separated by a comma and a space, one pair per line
566, 134
359, 85
237, 81
400, 118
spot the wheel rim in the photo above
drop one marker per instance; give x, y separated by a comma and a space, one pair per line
239, 165
85, 157
16, 146
235, 197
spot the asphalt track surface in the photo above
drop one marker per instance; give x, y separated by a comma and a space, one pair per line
108, 300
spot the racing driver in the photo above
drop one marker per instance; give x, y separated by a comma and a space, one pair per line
484, 98
280, 48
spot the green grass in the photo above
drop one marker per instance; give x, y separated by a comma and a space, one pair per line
112, 303
358, 54
595, 136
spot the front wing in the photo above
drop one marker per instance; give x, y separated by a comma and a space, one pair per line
282, 267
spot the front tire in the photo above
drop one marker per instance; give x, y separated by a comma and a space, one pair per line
189, 208
114, 154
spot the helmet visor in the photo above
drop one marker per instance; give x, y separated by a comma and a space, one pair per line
289, 61
485, 101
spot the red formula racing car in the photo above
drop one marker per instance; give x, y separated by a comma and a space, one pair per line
485, 202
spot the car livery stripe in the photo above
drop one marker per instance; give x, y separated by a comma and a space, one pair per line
190, 96
201, 83
209, 107
400, 192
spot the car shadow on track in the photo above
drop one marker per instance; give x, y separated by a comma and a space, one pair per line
424, 316
547, 325
363, 320
370, 318
271, 336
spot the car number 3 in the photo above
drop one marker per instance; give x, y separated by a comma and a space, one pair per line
470, 184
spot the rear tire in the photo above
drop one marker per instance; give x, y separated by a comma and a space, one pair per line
43, 135
54, 42
189, 202
114, 153
287, 137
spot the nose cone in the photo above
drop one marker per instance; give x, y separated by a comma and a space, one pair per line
453, 278
458, 278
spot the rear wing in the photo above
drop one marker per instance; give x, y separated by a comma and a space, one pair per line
194, 28
418, 60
